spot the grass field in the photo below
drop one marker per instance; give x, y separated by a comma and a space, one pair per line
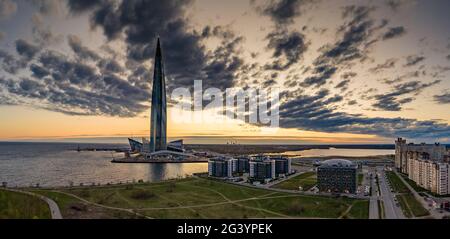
305, 180
396, 183
21, 206
409, 204
202, 198
360, 179
360, 210
419, 189
73, 208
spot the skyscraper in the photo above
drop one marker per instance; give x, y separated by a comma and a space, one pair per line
158, 119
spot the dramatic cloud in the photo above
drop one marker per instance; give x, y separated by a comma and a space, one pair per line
87, 80
394, 32
443, 98
355, 33
315, 113
10, 63
26, 49
283, 11
392, 102
81, 51
186, 58
389, 63
322, 74
343, 84
75, 88
414, 60
288, 46
7, 8
38, 71
288, 49
42, 34
78, 6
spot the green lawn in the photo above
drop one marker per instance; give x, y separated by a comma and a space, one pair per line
360, 179
404, 206
419, 189
204, 198
21, 206
360, 210
305, 180
414, 184
409, 204
415, 206
396, 183
72, 208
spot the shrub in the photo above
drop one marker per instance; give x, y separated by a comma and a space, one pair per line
142, 195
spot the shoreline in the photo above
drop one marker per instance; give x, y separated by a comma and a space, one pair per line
157, 161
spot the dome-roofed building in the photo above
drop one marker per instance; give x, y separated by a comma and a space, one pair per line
337, 176
337, 163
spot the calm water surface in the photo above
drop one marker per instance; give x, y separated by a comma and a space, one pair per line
58, 164
340, 152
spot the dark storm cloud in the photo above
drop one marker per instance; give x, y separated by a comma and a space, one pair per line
111, 66
392, 102
81, 51
288, 49
349, 47
26, 49
314, 113
186, 58
38, 71
288, 46
322, 74
11, 64
224, 65
394, 32
283, 11
414, 60
443, 98
78, 6
355, 33
76, 88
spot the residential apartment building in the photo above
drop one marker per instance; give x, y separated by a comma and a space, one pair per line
425, 164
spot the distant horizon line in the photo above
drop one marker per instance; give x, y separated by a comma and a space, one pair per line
221, 139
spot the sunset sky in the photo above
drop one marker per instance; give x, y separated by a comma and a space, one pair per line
349, 71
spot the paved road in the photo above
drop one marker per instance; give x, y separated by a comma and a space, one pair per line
54, 209
391, 210
373, 208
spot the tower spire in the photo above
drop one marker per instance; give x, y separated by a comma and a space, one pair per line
158, 123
